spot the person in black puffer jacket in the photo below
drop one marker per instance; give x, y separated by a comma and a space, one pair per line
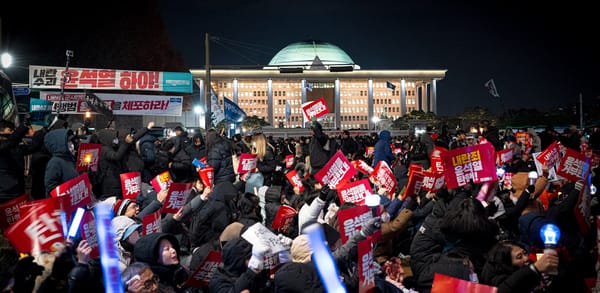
218, 155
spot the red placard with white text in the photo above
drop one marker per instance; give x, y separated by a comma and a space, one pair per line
316, 108
294, 179
366, 269
77, 192
203, 274
131, 184
414, 185
445, 284
355, 192
151, 223
362, 166
88, 156
383, 176
433, 181
573, 166
207, 175
88, 232
475, 163
550, 156
369, 151
504, 156
247, 163
38, 230
9, 211
283, 218
436, 159
176, 197
289, 161
352, 220
337, 170
161, 181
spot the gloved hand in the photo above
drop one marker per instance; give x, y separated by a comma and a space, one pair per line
256, 262
324, 193
285, 241
25, 273
371, 226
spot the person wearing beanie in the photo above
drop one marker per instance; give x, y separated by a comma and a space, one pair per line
127, 233
161, 252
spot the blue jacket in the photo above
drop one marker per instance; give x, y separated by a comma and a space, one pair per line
383, 151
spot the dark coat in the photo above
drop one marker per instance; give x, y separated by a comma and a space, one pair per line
208, 222
61, 166
182, 162
267, 166
235, 276
107, 181
218, 156
521, 280
383, 151
146, 250
12, 181
318, 155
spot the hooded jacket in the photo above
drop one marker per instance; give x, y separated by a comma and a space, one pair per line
107, 183
383, 151
12, 181
61, 166
218, 155
235, 276
147, 249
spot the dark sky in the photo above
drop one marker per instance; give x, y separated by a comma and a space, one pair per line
540, 55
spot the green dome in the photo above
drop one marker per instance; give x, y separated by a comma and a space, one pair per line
304, 53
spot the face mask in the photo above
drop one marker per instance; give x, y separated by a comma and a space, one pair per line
385, 217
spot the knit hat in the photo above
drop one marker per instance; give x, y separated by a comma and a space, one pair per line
231, 232
300, 249
121, 205
123, 226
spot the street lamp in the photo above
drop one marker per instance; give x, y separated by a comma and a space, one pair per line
6, 59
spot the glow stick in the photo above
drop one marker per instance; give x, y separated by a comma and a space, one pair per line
324, 260
76, 221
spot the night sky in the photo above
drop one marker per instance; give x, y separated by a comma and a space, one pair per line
540, 55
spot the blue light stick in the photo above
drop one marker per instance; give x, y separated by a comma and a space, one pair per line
550, 234
76, 221
324, 260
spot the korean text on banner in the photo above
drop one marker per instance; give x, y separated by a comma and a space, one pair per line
131, 184
203, 274
283, 218
337, 170
109, 258
475, 163
9, 211
550, 156
232, 111
436, 159
38, 230
89, 233
88, 156
433, 181
366, 269
352, 220
414, 185
259, 234
383, 176
573, 166
355, 192
177, 197
295, 180
77, 192
50, 77
316, 108
161, 181
247, 163
151, 223
207, 175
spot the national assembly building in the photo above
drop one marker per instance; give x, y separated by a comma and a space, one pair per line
306, 71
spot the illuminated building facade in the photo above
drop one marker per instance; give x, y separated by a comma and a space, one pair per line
306, 71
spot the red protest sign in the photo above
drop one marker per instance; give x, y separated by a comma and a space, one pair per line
38, 230
352, 220
88, 156
289, 161
414, 185
337, 170
573, 166
88, 232
447, 284
383, 176
207, 175
504, 156
131, 184
161, 181
9, 211
355, 192
433, 181
475, 163
78, 193
283, 218
201, 277
415, 168
151, 223
436, 159
366, 269
247, 163
550, 156
316, 108
369, 151
176, 198
362, 166
294, 179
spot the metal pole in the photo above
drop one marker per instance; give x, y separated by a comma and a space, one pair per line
69, 54
580, 111
207, 92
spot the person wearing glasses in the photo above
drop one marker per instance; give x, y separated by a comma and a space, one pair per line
139, 278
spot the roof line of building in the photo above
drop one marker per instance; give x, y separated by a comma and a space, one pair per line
322, 74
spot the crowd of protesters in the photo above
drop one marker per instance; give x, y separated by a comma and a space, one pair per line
454, 232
